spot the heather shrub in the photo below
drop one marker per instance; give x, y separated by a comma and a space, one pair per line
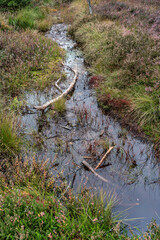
25, 58
36, 205
3, 23
142, 14
114, 48
126, 56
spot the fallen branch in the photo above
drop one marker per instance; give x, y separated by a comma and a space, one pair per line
65, 93
67, 67
65, 127
57, 86
104, 157
87, 157
92, 170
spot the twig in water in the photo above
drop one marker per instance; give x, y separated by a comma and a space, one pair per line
92, 170
66, 128
65, 93
66, 190
104, 157
57, 86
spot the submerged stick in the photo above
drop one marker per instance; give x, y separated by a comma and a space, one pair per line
65, 93
92, 170
104, 157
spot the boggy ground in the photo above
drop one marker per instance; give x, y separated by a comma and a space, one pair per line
33, 204
120, 42
28, 60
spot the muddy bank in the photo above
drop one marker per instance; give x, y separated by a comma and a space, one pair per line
84, 132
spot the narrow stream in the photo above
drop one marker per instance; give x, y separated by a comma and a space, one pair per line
131, 168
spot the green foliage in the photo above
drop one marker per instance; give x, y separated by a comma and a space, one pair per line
27, 18
27, 60
36, 207
59, 106
9, 140
14, 3
16, 104
128, 60
26, 214
148, 109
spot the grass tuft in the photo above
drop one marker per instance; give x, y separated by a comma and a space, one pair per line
26, 18
10, 142
59, 106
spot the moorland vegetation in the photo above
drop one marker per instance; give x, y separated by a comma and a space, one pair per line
124, 60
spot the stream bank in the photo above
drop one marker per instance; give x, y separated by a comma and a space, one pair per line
83, 131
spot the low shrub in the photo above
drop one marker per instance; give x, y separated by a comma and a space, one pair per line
127, 58
143, 14
3, 23
112, 48
27, 59
34, 205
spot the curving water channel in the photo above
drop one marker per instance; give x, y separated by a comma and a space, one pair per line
84, 132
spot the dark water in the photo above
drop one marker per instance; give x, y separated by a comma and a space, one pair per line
83, 130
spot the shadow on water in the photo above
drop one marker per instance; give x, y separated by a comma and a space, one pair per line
84, 131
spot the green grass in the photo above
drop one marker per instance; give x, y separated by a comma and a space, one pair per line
36, 207
10, 142
27, 18
14, 3
59, 106
30, 215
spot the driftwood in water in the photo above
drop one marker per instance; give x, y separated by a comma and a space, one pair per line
92, 170
57, 86
65, 93
104, 157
